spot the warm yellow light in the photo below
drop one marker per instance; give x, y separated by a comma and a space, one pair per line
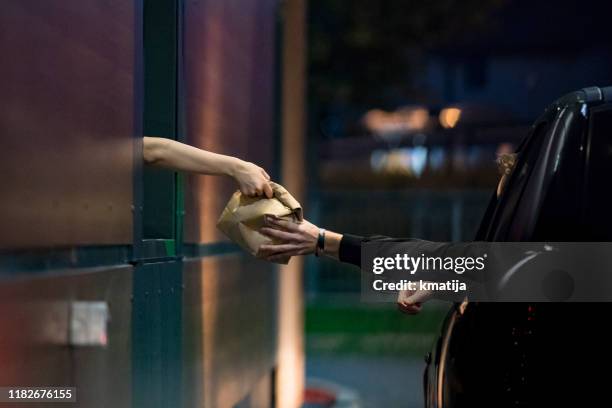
449, 117
416, 118
406, 119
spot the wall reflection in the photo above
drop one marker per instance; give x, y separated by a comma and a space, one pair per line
229, 328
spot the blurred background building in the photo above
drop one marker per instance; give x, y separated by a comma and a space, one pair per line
409, 105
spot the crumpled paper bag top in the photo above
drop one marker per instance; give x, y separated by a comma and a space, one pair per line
243, 216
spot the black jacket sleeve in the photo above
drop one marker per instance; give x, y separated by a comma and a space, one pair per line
350, 252
350, 246
350, 249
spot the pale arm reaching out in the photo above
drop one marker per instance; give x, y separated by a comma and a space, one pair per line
252, 180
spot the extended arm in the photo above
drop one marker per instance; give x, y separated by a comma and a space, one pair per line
296, 239
301, 239
252, 179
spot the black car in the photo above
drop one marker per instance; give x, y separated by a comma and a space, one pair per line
539, 354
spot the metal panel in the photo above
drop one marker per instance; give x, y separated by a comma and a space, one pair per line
34, 336
67, 122
156, 332
229, 325
229, 97
160, 109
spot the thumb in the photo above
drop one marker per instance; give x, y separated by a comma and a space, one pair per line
267, 189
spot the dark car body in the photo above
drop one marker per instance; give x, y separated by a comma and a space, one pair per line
538, 354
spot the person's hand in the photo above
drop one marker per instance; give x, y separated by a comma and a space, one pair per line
252, 180
290, 238
411, 301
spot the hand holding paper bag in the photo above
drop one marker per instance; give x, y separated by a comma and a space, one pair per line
243, 216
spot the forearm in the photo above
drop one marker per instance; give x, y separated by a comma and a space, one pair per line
331, 248
181, 157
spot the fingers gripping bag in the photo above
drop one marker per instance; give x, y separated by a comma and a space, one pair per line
243, 216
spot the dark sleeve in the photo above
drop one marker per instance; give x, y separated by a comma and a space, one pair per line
350, 247
350, 251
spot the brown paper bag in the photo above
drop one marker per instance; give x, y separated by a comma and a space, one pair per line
243, 216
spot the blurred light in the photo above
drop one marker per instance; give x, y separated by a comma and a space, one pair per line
449, 117
404, 120
378, 158
403, 161
398, 162
437, 158
418, 159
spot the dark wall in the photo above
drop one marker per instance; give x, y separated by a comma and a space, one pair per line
67, 123
67, 126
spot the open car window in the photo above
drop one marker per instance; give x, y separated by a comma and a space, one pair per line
500, 212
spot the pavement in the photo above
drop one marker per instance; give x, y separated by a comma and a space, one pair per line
355, 381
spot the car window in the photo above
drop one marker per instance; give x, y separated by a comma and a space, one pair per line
559, 218
510, 197
597, 216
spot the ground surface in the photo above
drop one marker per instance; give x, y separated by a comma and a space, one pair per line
380, 382
370, 350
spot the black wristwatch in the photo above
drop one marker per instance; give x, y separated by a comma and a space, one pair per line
320, 242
